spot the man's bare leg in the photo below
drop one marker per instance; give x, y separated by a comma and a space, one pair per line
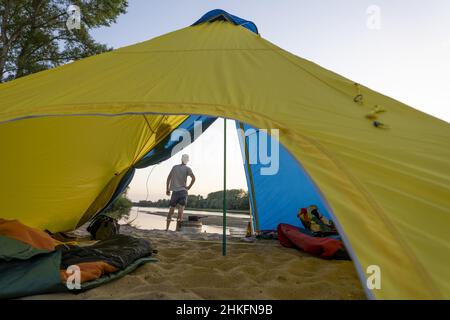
169, 217
180, 216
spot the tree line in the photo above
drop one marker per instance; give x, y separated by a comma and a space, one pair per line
237, 199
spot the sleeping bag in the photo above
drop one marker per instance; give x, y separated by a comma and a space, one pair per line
32, 262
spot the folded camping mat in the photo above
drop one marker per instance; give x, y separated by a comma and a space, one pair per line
325, 247
32, 262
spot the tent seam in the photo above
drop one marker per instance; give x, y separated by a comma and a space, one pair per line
195, 50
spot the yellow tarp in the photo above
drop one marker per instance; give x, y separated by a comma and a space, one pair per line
388, 188
53, 169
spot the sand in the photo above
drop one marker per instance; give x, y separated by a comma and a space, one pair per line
192, 267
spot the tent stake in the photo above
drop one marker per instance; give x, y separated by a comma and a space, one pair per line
224, 243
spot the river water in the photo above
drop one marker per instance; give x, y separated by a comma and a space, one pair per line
142, 218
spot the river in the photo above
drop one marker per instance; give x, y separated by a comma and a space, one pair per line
142, 218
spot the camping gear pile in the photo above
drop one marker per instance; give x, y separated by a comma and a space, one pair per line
32, 262
316, 223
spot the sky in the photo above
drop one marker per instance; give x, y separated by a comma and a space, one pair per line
400, 48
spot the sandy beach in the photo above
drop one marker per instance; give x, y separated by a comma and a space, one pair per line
192, 267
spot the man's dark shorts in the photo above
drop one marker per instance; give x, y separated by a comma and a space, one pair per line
178, 197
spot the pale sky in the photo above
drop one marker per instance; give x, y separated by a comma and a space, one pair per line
406, 58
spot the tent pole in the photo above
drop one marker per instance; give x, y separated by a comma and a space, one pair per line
224, 243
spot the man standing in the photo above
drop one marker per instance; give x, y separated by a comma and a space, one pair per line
176, 182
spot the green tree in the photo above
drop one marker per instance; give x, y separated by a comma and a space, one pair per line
34, 36
120, 208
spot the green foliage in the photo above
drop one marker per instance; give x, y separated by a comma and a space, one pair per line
237, 199
34, 36
120, 208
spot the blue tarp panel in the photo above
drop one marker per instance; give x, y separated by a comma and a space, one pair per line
278, 197
218, 14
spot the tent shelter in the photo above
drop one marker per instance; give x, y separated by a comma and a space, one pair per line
72, 136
